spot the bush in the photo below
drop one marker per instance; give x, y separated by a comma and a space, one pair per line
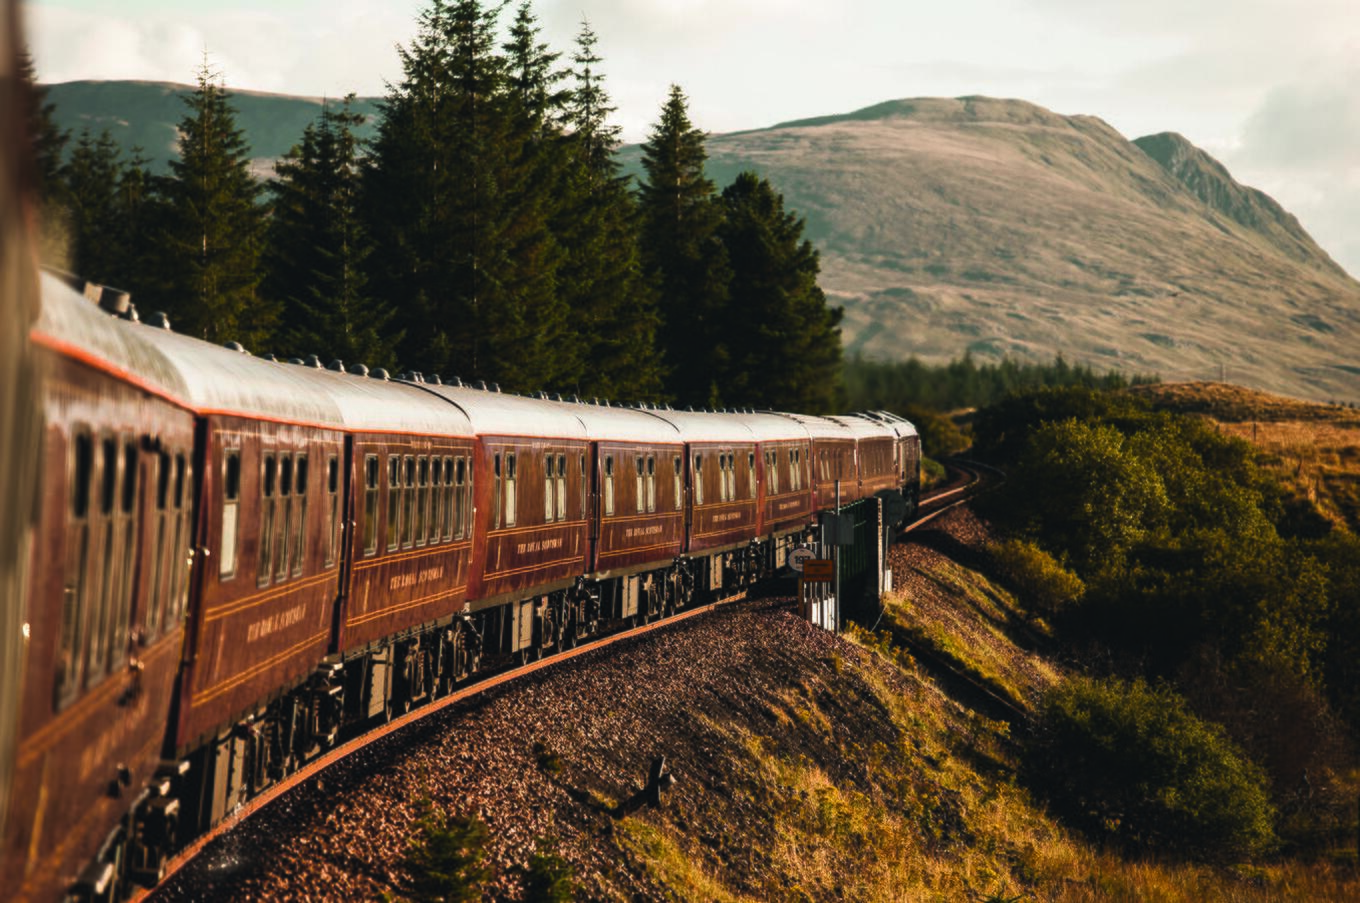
446, 857
1132, 763
1044, 585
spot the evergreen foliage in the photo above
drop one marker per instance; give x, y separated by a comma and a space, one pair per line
213, 228
612, 304
48, 143
318, 247
459, 212
92, 178
787, 349
964, 383
684, 255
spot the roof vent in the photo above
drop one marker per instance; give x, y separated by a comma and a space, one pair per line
314, 362
159, 320
558, 397
359, 370
234, 346
380, 373
495, 387
270, 357
110, 300
295, 360
456, 381
337, 365
479, 384
436, 380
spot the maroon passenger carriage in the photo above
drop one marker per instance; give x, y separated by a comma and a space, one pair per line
241, 561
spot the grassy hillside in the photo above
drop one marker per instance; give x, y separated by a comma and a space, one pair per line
1000, 228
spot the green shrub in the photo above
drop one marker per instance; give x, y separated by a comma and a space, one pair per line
446, 859
549, 878
1131, 762
1043, 584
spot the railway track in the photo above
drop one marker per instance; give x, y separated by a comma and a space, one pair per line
965, 481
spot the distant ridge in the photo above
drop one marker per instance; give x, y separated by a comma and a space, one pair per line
980, 225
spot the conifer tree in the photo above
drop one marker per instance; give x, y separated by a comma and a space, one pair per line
213, 230
464, 249
790, 354
682, 252
612, 303
318, 247
91, 178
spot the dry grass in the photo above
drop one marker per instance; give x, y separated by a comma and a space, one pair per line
1312, 448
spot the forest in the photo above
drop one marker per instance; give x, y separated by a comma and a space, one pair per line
486, 232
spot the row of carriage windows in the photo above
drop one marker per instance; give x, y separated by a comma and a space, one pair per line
106, 515
428, 501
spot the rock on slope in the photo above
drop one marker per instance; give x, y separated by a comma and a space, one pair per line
1000, 228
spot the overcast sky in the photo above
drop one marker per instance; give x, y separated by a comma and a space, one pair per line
1270, 87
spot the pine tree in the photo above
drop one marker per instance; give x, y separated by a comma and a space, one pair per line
91, 177
682, 253
463, 247
213, 228
612, 303
318, 248
790, 355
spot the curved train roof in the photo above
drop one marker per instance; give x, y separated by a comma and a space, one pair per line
821, 427
694, 426
212, 380
502, 414
864, 428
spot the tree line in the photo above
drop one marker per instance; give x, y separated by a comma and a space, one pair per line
485, 232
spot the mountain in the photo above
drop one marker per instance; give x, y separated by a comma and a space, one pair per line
997, 227
147, 115
987, 226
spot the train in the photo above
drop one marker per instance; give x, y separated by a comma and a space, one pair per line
240, 562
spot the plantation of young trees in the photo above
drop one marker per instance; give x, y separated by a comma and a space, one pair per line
486, 232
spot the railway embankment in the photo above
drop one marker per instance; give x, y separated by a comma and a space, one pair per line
881, 766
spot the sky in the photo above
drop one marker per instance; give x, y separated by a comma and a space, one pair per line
1269, 87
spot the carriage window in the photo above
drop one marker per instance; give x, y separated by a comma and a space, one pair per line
370, 505
724, 469
496, 492
156, 599
180, 553
581, 461
511, 508
460, 496
120, 608
436, 524
393, 500
408, 521
231, 499
608, 485
445, 526
652, 483
75, 583
698, 480
549, 489
300, 516
422, 498
268, 487
95, 614
332, 508
678, 481
751, 473
285, 521
561, 487
641, 489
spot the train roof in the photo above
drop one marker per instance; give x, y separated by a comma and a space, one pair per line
898, 424
864, 428
821, 427
697, 426
494, 413
209, 379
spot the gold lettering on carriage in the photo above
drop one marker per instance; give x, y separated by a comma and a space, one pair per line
413, 578
276, 622
723, 518
639, 532
792, 503
541, 545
